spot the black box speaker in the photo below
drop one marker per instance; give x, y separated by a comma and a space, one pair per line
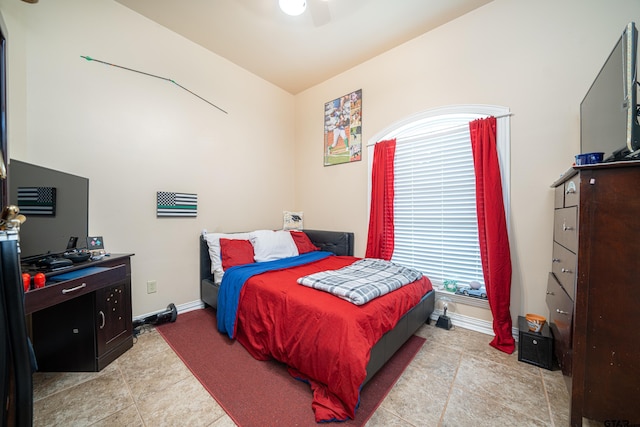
535, 348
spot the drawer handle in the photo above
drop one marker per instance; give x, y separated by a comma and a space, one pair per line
566, 270
550, 293
103, 319
566, 313
555, 260
66, 291
571, 188
565, 227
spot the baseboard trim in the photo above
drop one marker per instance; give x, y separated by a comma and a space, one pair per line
190, 306
458, 320
182, 308
471, 323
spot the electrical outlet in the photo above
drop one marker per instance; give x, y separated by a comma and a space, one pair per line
152, 286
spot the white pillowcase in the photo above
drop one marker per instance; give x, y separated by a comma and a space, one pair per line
213, 241
269, 245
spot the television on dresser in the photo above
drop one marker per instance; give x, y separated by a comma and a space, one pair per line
609, 110
56, 205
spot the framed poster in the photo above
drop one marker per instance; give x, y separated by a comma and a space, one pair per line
343, 129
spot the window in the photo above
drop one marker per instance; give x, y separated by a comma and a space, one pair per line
436, 229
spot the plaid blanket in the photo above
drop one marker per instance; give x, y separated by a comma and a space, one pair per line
363, 280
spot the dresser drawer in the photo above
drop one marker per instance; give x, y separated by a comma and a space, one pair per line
564, 267
572, 192
560, 321
565, 229
558, 201
567, 194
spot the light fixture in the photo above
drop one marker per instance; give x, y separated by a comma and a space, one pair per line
293, 7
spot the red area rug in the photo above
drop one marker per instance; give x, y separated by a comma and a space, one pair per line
258, 393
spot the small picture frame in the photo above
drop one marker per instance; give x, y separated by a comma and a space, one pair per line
95, 243
292, 220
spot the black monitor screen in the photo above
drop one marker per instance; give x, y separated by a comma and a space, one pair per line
55, 203
607, 112
603, 121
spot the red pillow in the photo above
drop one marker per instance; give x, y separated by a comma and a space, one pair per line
303, 242
235, 252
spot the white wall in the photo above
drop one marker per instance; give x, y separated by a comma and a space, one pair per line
134, 135
537, 58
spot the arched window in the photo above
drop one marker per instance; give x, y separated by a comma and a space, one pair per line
436, 229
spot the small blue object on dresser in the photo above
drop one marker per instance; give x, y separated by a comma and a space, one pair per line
589, 158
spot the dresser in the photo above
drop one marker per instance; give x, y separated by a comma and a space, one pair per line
593, 290
82, 319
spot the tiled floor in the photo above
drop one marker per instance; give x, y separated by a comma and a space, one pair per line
456, 379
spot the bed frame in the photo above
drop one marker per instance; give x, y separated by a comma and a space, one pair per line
340, 243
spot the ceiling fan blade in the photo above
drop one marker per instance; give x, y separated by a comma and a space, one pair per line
319, 12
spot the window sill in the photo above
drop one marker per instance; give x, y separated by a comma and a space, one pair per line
462, 299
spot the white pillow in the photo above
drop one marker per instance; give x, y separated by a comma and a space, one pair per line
269, 245
213, 241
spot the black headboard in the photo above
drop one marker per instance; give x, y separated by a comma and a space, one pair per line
338, 242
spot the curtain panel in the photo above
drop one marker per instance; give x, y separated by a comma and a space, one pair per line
380, 239
492, 230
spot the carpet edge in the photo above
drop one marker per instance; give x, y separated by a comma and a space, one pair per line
200, 380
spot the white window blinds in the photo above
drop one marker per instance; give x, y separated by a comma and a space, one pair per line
436, 229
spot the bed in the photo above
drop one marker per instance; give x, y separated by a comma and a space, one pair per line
341, 245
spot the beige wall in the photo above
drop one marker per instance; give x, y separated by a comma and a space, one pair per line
132, 135
537, 58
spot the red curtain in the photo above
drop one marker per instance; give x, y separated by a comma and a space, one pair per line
492, 230
380, 236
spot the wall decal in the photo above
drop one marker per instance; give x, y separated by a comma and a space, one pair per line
176, 204
37, 201
88, 58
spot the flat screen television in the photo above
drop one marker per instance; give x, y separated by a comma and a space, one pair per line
608, 112
56, 205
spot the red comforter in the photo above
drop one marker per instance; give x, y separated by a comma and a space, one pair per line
323, 339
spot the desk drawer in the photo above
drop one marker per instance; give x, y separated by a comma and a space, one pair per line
56, 293
565, 229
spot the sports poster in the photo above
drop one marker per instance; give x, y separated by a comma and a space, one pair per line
343, 129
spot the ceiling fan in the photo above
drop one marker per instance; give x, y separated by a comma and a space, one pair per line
319, 9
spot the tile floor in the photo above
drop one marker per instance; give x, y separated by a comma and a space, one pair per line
456, 379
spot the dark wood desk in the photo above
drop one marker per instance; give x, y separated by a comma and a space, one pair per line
82, 319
